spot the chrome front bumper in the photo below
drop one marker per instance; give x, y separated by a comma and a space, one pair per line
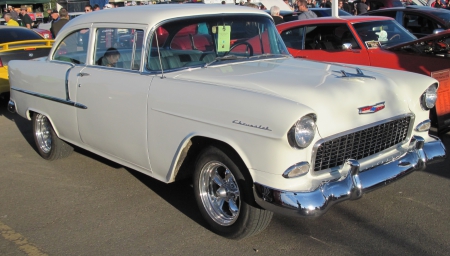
353, 186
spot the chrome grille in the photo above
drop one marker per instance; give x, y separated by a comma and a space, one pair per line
360, 144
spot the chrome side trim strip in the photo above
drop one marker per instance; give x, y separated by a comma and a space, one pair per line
351, 186
47, 97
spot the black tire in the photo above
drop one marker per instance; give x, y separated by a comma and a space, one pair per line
49, 146
230, 210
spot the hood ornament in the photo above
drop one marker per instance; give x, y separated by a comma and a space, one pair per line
359, 74
372, 108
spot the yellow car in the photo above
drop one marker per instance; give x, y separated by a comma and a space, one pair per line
18, 43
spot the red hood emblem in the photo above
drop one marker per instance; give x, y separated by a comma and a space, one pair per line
372, 108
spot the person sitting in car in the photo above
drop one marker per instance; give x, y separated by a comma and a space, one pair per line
110, 58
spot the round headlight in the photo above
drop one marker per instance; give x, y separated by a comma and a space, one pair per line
429, 97
302, 132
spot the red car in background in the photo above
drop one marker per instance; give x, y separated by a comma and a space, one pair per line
44, 33
374, 41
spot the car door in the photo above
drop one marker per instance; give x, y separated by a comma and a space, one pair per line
115, 95
324, 42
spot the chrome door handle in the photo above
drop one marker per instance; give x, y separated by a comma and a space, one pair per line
82, 74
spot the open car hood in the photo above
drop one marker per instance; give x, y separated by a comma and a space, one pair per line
442, 35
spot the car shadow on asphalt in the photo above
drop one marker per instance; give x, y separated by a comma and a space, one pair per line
179, 194
441, 168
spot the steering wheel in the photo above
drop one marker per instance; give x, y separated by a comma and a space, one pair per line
394, 36
249, 46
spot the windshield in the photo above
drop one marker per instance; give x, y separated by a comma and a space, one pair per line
385, 33
201, 41
443, 15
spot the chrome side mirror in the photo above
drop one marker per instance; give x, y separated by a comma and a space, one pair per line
346, 46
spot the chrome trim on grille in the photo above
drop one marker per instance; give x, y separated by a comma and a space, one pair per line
321, 141
47, 97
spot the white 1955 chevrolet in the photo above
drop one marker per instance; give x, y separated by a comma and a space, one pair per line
210, 92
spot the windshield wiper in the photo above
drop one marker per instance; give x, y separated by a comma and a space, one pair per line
227, 57
268, 55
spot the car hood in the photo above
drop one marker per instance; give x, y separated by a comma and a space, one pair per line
321, 87
443, 34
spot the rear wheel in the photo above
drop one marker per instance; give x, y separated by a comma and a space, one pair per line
48, 144
223, 191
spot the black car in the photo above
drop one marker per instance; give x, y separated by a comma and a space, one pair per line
419, 20
320, 12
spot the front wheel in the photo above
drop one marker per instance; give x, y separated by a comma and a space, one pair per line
223, 191
48, 144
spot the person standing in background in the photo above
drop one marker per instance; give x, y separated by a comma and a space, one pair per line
306, 13
10, 21
362, 7
347, 7
26, 20
14, 14
275, 13
63, 20
54, 18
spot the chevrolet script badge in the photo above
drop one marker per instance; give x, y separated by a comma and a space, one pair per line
372, 108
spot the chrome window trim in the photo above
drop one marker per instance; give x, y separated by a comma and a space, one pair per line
47, 97
319, 142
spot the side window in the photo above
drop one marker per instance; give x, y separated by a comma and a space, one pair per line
190, 45
293, 38
73, 48
329, 37
419, 25
118, 48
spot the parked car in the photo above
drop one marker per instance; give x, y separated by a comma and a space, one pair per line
381, 4
372, 41
18, 43
213, 95
320, 12
419, 20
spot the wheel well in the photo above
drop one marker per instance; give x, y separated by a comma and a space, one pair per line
186, 162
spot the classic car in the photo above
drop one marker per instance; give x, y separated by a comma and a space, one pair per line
212, 94
419, 20
373, 41
18, 43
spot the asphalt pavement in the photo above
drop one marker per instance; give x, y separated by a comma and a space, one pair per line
87, 205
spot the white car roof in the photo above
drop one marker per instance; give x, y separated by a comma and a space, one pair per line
152, 14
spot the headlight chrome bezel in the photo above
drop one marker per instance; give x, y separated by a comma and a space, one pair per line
429, 97
302, 133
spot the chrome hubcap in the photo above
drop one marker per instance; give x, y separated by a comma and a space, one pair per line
43, 134
219, 193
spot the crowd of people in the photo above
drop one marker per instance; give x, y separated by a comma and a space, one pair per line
19, 16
